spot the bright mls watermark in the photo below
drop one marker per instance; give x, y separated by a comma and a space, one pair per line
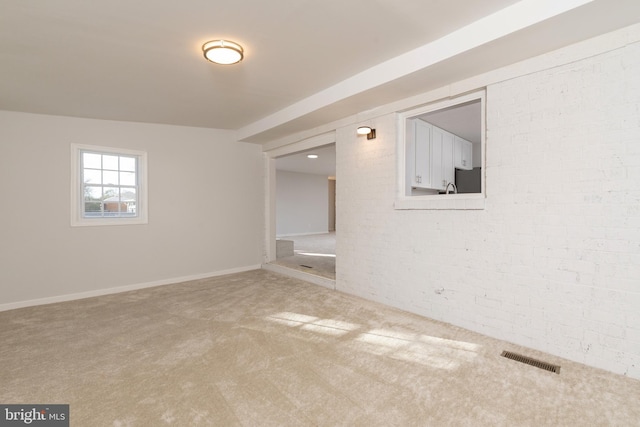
34, 415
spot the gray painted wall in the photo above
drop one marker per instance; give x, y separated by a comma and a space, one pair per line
205, 207
302, 203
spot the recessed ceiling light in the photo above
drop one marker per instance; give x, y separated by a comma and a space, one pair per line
223, 52
312, 156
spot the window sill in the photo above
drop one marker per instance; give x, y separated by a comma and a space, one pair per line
96, 222
442, 202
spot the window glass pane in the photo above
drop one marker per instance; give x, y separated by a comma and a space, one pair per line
127, 178
91, 160
92, 209
111, 192
128, 164
110, 177
128, 195
110, 162
111, 201
92, 176
92, 193
92, 201
129, 200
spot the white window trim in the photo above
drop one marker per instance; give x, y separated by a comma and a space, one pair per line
469, 201
77, 220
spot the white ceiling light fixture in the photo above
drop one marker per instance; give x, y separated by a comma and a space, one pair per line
223, 52
312, 156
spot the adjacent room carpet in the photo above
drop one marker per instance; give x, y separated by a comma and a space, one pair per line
261, 349
313, 254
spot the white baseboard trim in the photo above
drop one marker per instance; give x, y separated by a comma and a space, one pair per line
127, 288
303, 234
297, 274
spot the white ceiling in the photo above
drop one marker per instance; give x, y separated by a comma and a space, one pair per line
306, 62
325, 164
463, 120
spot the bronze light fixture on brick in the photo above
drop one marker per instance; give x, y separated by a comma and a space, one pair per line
367, 130
223, 52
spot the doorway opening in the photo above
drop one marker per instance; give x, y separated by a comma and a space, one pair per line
305, 183
298, 218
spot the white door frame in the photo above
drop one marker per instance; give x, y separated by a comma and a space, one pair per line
269, 158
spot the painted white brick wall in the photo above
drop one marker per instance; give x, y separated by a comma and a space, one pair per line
553, 261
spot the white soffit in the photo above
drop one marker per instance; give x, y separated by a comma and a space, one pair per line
497, 27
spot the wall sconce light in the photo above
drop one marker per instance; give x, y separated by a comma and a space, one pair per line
223, 52
367, 130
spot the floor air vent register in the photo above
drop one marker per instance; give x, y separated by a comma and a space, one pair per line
530, 361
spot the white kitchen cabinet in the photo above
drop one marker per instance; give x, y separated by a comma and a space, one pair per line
432, 162
463, 154
442, 171
421, 155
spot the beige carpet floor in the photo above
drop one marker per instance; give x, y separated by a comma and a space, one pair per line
313, 254
261, 349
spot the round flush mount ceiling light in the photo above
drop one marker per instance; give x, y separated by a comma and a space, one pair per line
312, 156
223, 52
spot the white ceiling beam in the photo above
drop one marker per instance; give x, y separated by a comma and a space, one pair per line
493, 27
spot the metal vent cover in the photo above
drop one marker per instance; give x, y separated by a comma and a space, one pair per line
530, 361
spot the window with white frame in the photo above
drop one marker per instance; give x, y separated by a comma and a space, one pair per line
109, 186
